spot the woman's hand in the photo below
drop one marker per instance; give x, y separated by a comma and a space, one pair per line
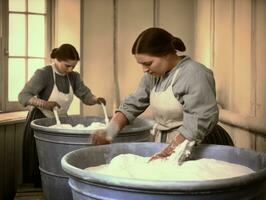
106, 136
50, 105
99, 137
100, 100
40, 103
167, 151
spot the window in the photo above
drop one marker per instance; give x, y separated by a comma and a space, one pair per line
26, 39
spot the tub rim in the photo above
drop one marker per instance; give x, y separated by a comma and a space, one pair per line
55, 131
177, 186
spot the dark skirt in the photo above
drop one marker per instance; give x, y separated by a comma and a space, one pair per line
31, 173
218, 136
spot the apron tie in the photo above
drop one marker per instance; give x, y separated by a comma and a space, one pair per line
158, 134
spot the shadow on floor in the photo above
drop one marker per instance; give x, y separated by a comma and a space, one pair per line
29, 192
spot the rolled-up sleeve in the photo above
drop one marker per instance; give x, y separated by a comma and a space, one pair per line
200, 112
137, 102
33, 87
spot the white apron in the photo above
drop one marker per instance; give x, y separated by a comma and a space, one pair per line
64, 100
167, 111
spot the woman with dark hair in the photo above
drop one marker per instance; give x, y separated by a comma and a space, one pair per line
51, 86
180, 91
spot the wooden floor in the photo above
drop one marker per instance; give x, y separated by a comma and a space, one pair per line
28, 192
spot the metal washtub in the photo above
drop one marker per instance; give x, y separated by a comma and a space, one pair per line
89, 185
53, 144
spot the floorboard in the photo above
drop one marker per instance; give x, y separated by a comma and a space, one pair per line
29, 192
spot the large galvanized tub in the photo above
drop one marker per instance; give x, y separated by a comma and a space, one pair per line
89, 185
53, 144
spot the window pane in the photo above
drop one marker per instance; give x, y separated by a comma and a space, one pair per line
17, 35
36, 6
16, 77
33, 65
36, 36
17, 5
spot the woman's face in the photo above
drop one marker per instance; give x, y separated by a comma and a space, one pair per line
65, 66
156, 66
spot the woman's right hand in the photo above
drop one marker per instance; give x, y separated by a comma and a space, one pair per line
99, 137
100, 100
106, 136
50, 105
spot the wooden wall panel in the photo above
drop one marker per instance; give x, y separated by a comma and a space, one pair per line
223, 51
244, 94
2, 156
260, 143
244, 139
67, 30
130, 23
242, 58
238, 58
203, 32
242, 65
240, 137
260, 61
228, 36
18, 153
177, 16
103, 51
11, 159
98, 52
260, 52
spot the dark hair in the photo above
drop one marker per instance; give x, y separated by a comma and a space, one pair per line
65, 52
157, 42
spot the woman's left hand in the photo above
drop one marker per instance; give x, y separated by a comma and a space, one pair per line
167, 151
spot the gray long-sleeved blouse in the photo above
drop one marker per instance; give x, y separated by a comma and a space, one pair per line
42, 82
194, 88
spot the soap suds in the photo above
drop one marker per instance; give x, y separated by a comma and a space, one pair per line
138, 167
92, 126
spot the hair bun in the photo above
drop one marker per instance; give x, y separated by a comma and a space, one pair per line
179, 44
53, 53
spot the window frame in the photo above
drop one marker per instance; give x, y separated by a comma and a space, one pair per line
5, 105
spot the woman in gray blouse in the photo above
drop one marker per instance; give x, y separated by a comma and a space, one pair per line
180, 91
51, 86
